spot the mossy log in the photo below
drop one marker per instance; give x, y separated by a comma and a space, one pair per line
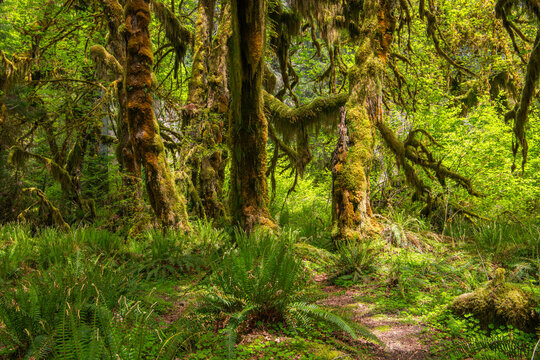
166, 201
499, 303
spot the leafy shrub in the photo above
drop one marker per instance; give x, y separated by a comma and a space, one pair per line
99, 241
166, 255
54, 247
16, 247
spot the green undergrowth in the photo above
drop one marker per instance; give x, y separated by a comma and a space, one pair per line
414, 274
218, 293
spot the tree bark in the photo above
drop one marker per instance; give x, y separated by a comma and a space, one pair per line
212, 169
206, 127
131, 169
352, 217
166, 201
248, 130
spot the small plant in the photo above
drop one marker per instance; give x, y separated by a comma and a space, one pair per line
54, 247
166, 255
99, 241
16, 247
356, 258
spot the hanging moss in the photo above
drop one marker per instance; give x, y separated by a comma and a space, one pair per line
105, 62
289, 121
179, 37
18, 156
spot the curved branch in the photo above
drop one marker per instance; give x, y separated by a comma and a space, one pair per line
431, 26
285, 117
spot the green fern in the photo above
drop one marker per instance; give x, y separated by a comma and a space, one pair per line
262, 281
356, 258
502, 346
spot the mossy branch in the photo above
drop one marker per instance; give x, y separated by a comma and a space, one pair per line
431, 27
519, 114
13, 70
287, 119
413, 152
178, 36
18, 156
45, 203
105, 62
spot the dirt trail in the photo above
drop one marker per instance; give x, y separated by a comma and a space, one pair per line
402, 338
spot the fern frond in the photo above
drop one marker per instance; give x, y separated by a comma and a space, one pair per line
234, 322
326, 316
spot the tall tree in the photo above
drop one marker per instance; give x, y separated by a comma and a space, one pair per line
202, 115
248, 130
351, 211
114, 61
166, 201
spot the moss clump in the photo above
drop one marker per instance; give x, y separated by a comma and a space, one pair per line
498, 302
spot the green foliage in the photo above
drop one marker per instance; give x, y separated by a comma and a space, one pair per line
494, 343
261, 282
99, 241
261, 272
32, 311
173, 253
356, 258
15, 247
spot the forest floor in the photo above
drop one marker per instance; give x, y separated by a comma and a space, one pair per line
401, 295
403, 338
397, 287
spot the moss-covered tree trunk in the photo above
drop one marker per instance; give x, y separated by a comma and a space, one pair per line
205, 122
197, 85
131, 169
212, 168
166, 201
248, 130
351, 211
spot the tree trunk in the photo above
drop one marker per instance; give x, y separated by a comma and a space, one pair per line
212, 169
352, 217
248, 130
207, 171
132, 205
167, 203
